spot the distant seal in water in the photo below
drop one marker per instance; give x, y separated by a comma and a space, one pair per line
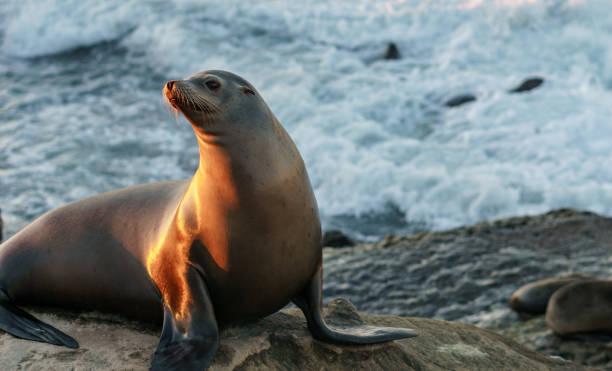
533, 297
237, 241
581, 307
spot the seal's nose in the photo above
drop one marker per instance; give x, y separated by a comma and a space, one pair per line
170, 85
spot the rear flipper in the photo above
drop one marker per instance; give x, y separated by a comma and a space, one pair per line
25, 326
310, 302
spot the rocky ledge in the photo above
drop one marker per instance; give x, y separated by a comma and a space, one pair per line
468, 275
281, 342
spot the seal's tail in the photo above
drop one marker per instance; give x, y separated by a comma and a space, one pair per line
23, 325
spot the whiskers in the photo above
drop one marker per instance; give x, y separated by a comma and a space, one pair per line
170, 107
185, 97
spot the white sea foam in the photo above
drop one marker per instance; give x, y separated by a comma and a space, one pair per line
41, 27
375, 134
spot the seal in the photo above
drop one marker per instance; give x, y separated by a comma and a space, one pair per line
237, 241
533, 297
581, 307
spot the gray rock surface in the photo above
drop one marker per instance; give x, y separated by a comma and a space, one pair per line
468, 274
282, 342
592, 350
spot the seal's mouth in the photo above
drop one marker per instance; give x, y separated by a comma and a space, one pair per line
169, 99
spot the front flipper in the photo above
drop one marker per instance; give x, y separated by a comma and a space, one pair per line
188, 342
310, 302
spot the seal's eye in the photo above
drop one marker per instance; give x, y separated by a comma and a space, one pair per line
212, 84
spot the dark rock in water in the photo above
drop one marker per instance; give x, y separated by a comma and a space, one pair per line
336, 238
582, 307
527, 85
460, 100
533, 297
392, 52
281, 341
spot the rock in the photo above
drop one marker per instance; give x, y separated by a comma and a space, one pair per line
581, 307
388, 240
342, 312
392, 52
460, 100
533, 297
375, 53
281, 342
527, 85
591, 350
336, 238
467, 274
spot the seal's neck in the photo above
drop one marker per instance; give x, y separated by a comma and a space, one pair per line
245, 162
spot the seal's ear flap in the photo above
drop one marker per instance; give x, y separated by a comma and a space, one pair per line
25, 326
247, 91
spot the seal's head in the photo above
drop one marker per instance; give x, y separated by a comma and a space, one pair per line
214, 101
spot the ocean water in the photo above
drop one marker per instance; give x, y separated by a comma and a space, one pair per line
81, 109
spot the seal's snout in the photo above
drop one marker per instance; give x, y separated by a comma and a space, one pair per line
180, 95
